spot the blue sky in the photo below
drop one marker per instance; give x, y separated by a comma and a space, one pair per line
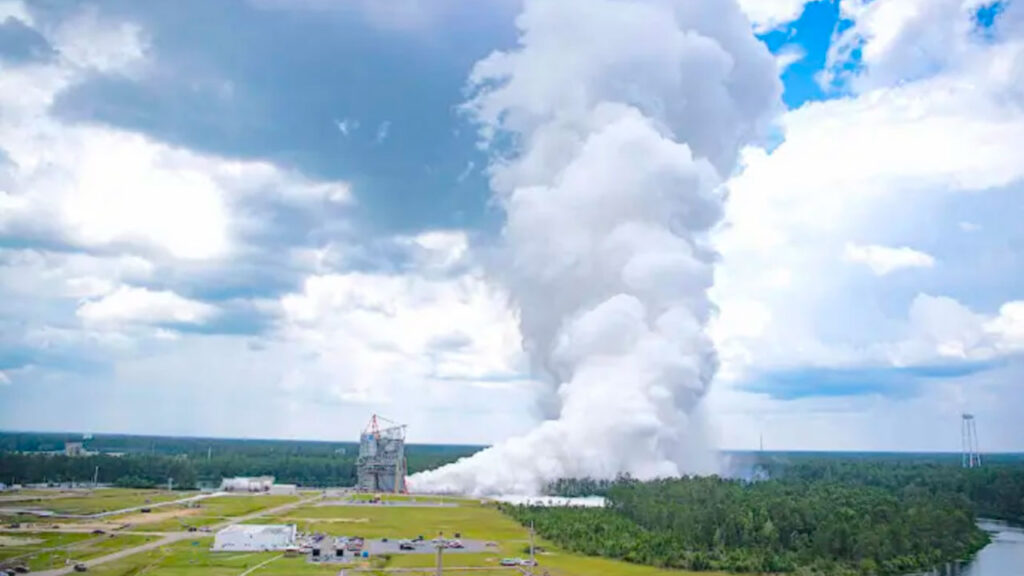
282, 211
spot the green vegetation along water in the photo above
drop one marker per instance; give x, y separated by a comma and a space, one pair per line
819, 514
770, 526
1004, 556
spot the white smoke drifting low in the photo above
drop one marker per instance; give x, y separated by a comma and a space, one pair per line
624, 118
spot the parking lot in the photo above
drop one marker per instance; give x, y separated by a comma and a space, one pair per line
376, 547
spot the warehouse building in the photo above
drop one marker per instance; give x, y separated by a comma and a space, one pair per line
247, 484
255, 537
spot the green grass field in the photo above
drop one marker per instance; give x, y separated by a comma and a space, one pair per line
210, 511
470, 519
22, 544
193, 557
94, 501
53, 550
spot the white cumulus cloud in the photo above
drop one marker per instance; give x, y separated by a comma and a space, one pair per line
768, 14
130, 304
883, 260
96, 186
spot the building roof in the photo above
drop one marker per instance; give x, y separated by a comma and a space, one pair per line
259, 529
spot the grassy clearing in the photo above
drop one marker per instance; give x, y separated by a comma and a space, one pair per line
95, 501
475, 522
564, 564
212, 511
22, 543
186, 558
193, 558
33, 493
53, 550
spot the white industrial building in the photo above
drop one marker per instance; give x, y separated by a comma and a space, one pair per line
247, 484
255, 537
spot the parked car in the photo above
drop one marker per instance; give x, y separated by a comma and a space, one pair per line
406, 545
98, 531
81, 567
509, 562
454, 544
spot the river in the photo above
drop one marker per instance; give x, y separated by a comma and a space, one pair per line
1003, 557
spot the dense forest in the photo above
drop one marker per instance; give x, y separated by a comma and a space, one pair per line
814, 526
145, 461
817, 513
995, 490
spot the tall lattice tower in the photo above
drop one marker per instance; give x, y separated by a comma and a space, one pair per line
970, 456
381, 463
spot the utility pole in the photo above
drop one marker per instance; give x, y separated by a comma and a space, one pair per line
95, 477
170, 484
209, 453
533, 557
440, 562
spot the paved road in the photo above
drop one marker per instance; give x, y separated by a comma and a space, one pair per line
173, 537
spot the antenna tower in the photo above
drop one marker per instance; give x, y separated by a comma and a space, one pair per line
969, 455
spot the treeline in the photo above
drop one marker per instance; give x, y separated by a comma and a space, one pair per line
772, 526
995, 490
201, 447
137, 471
201, 462
578, 487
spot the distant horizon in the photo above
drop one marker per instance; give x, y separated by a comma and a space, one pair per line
484, 446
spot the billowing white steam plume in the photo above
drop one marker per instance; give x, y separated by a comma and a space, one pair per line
624, 117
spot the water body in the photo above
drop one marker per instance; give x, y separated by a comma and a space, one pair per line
1003, 557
